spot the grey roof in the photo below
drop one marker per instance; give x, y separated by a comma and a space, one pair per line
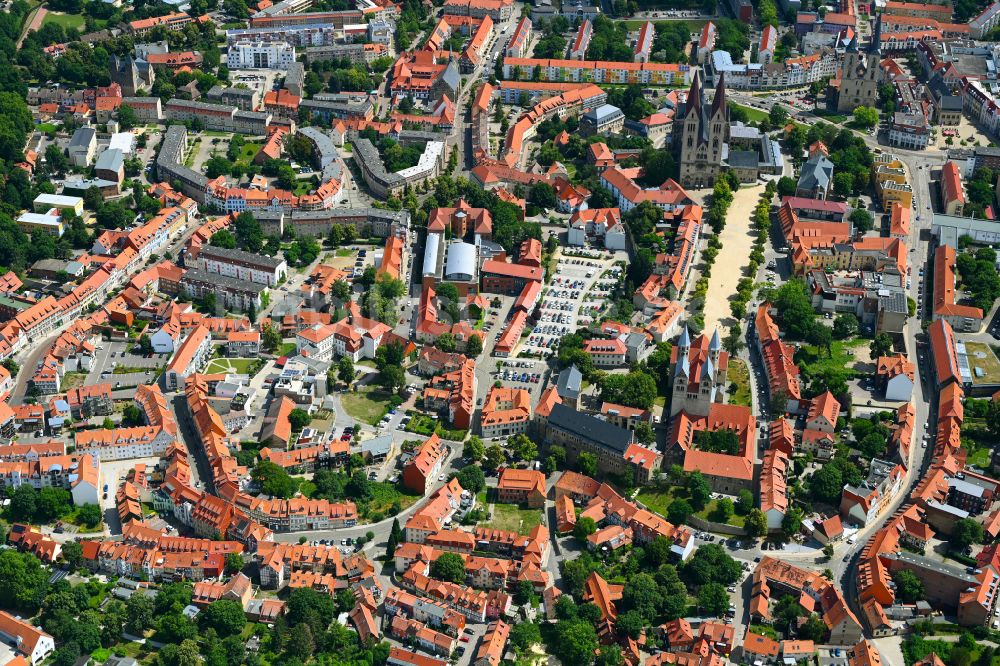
296, 74
817, 172
199, 106
451, 76
239, 255
602, 113
110, 160
747, 159
219, 92
590, 428
570, 382
83, 137
936, 566
225, 282
379, 446
685, 339
367, 156
715, 344
326, 150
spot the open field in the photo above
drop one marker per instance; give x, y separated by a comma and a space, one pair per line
241, 366
752, 114
739, 377
67, 21
513, 519
367, 405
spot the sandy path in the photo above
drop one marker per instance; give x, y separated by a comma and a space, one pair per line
34, 23
737, 244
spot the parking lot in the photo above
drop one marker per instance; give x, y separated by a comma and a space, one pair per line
112, 356
573, 299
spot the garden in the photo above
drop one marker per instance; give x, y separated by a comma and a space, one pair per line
369, 404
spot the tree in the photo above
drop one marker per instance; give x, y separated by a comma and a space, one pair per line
24, 503
845, 326
392, 377
786, 186
587, 463
522, 447
744, 502
89, 515
791, 523
575, 642
843, 183
234, 563
966, 532
345, 369
866, 116
710, 564
713, 599
644, 433
584, 527
448, 567
543, 195
724, 510
126, 117
679, 511
472, 479
139, 614
474, 449
862, 220
698, 490
72, 554
494, 457
881, 345
225, 616
525, 634
270, 338
474, 346
630, 623
395, 538
53, 503
273, 480
909, 588
299, 419
445, 342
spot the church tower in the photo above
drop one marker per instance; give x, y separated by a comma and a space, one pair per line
703, 134
859, 75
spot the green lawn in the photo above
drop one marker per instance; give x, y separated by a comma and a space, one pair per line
45, 128
695, 25
240, 366
752, 113
387, 498
978, 456
837, 361
658, 500
345, 252
512, 518
248, 152
67, 21
709, 513
286, 349
368, 404
739, 377
830, 116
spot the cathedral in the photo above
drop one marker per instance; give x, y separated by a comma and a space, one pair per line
859, 77
701, 132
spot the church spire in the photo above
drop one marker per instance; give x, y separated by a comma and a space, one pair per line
876, 45
720, 95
